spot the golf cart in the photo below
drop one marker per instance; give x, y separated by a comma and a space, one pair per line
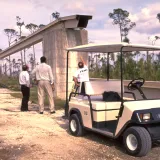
136, 121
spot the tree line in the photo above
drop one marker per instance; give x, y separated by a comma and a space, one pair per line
135, 64
146, 65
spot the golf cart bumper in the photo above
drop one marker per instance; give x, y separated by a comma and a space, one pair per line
153, 124
154, 131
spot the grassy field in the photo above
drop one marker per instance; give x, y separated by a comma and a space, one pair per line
12, 84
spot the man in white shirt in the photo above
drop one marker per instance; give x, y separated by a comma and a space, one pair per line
24, 81
44, 76
81, 75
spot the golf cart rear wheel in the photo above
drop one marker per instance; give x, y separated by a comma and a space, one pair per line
75, 125
137, 141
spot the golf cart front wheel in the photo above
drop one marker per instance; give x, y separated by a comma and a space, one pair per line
75, 125
137, 141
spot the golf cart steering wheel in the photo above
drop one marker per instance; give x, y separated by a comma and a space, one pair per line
136, 83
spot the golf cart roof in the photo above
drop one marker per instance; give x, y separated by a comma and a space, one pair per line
113, 47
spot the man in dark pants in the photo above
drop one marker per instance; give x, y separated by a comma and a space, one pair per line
24, 81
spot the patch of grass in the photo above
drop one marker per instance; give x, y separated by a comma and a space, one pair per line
59, 103
12, 83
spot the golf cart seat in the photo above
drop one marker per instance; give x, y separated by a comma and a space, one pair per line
102, 111
98, 87
110, 109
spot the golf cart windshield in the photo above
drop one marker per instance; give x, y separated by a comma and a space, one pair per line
134, 61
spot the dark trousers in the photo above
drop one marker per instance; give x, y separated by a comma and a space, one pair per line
26, 94
82, 89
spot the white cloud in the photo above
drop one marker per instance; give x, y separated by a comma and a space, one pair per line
113, 35
146, 11
133, 17
78, 7
146, 21
102, 2
104, 35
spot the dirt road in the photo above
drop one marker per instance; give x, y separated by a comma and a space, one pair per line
31, 136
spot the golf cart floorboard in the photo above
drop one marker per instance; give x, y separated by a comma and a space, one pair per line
103, 131
107, 129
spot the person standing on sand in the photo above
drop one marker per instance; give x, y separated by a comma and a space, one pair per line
44, 77
24, 81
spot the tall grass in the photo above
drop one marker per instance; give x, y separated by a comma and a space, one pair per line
10, 82
13, 84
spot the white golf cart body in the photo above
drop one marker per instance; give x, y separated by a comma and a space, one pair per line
107, 112
114, 118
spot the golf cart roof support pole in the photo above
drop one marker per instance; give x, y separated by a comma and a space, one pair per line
121, 69
121, 73
108, 66
66, 105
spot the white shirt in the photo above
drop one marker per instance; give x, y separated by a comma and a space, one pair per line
24, 78
43, 72
82, 74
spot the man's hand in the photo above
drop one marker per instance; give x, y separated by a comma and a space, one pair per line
82, 60
53, 86
35, 82
76, 81
77, 84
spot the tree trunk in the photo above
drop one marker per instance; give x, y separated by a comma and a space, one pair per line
120, 32
9, 42
20, 33
5, 69
147, 55
34, 56
24, 56
0, 70
21, 57
10, 69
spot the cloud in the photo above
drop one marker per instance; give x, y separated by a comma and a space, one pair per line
146, 21
113, 36
104, 35
78, 7
102, 2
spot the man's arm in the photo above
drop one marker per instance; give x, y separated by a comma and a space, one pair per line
75, 78
51, 75
27, 79
75, 81
33, 73
82, 60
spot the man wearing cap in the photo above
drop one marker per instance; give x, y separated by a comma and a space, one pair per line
24, 81
44, 76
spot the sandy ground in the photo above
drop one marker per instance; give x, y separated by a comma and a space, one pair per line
31, 136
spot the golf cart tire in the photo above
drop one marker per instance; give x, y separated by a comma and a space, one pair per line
144, 142
78, 130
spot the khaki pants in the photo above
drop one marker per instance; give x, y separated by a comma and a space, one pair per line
45, 85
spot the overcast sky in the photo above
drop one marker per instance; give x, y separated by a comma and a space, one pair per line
100, 28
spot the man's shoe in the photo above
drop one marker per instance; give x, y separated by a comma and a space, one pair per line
41, 113
53, 112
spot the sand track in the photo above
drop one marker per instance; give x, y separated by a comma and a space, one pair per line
31, 136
